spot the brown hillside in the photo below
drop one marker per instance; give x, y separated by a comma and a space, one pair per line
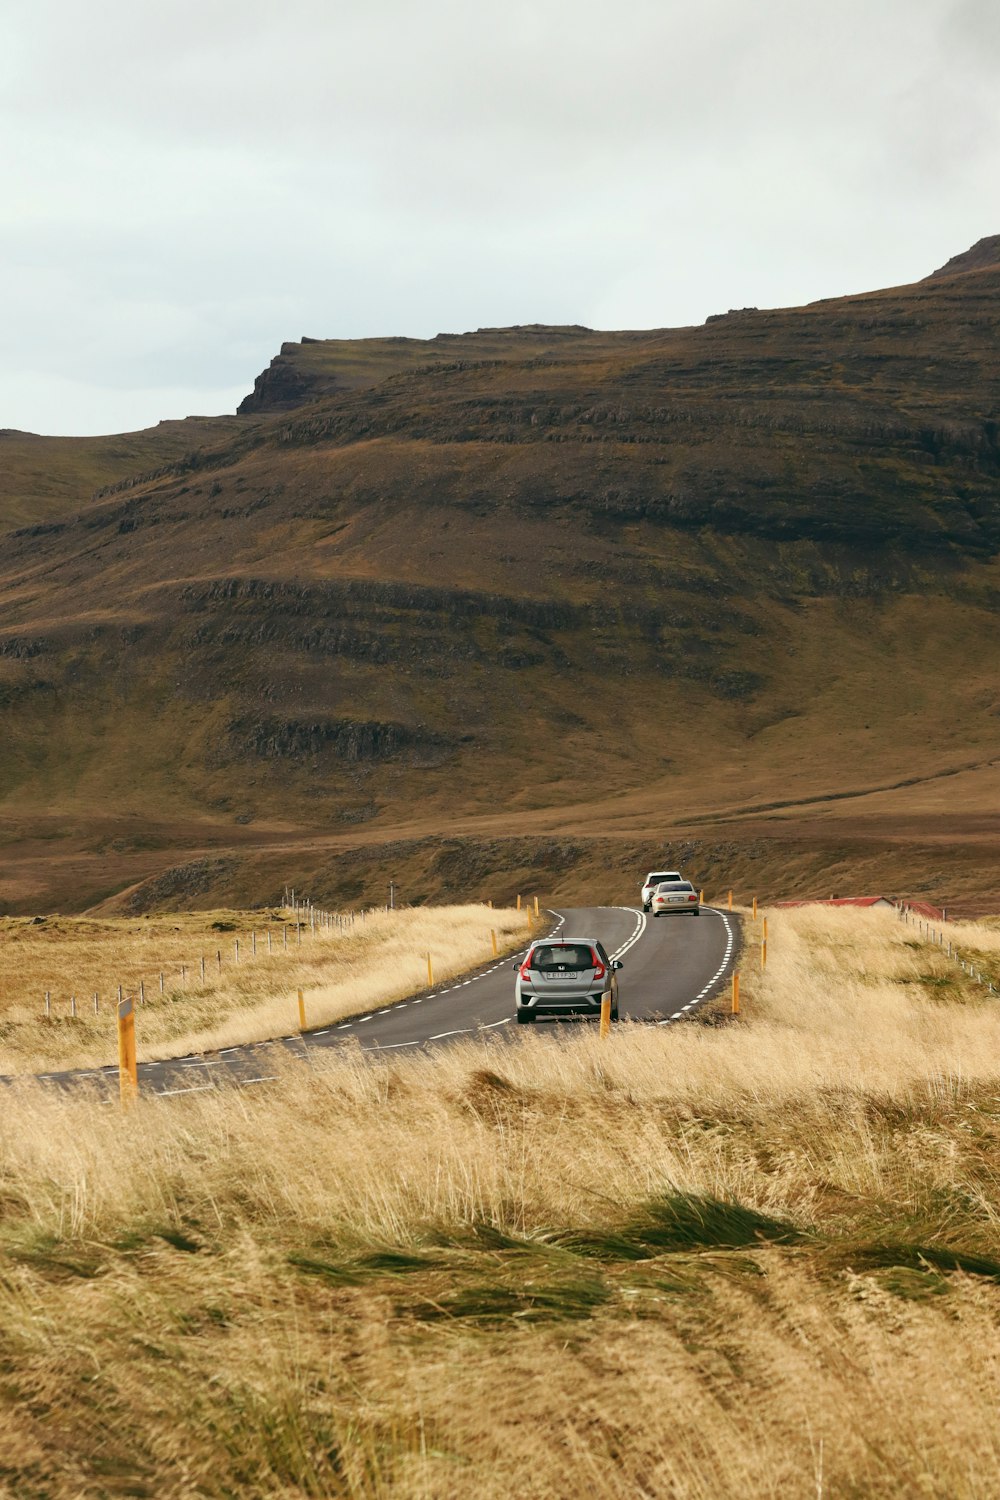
475, 603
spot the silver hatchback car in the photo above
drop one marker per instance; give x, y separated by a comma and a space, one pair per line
565, 977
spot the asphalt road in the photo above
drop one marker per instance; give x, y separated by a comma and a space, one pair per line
671, 965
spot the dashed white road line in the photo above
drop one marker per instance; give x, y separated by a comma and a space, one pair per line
704, 991
204, 1088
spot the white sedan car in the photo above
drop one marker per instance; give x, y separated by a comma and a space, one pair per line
675, 896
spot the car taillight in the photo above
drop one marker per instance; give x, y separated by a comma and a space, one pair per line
524, 972
599, 969
692, 898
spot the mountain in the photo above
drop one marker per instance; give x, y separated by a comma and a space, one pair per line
525, 606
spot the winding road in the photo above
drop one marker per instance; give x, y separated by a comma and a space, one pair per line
671, 966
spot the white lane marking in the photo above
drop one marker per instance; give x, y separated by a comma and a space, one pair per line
201, 1062
205, 1088
265, 1078
640, 927
718, 973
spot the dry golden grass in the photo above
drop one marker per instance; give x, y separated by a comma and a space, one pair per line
756, 1260
341, 971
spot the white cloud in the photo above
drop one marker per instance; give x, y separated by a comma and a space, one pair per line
187, 184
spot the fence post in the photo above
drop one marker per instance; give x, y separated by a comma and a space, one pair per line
128, 1074
97, 1003
48, 1003
237, 948
218, 958
161, 981
142, 992
736, 994
203, 968
72, 1005
269, 940
253, 945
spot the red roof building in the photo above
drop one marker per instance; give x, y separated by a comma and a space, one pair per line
919, 908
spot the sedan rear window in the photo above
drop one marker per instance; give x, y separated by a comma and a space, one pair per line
676, 885
555, 956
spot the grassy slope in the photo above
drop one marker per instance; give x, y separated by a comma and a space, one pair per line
754, 1259
254, 962
617, 584
44, 479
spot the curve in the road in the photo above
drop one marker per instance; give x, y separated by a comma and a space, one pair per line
675, 964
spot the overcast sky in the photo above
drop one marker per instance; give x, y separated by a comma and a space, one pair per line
187, 184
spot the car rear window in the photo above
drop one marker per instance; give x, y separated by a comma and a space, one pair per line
677, 885
664, 875
562, 956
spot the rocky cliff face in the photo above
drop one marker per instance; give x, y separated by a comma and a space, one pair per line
281, 387
982, 255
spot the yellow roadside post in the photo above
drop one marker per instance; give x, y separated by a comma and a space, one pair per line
701, 897
736, 994
536, 906
490, 903
128, 1076
430, 971
606, 1014
763, 947
302, 1012
519, 903
531, 923
730, 900
493, 940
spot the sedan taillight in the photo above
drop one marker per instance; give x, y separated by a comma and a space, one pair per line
692, 898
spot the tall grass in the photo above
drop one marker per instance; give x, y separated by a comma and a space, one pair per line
377, 959
758, 1259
